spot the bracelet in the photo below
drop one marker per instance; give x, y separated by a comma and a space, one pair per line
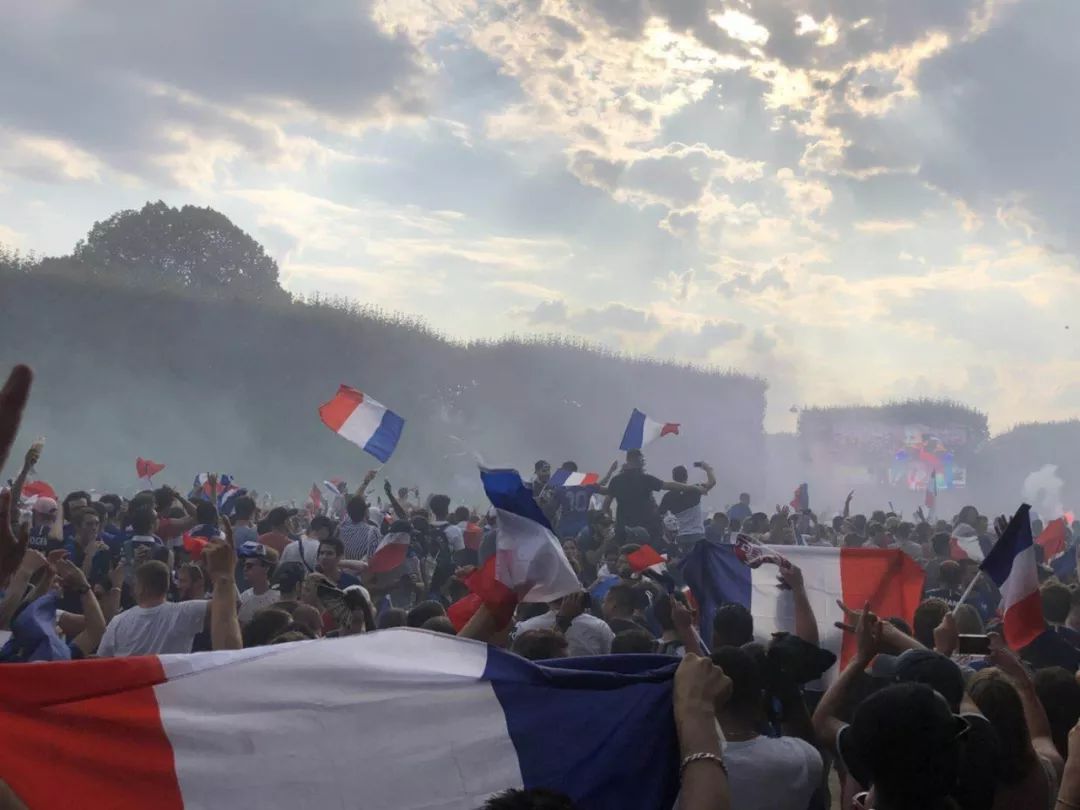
702, 756
1066, 803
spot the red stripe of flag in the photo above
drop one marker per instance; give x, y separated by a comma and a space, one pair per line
892, 583
644, 557
669, 428
1053, 538
100, 723
336, 411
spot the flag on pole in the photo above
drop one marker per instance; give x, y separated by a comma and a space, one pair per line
641, 430
887, 578
145, 468
357, 417
1011, 566
458, 721
801, 501
528, 565
565, 478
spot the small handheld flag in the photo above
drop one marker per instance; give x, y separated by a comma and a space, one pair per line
363, 421
145, 468
565, 478
641, 430
1012, 567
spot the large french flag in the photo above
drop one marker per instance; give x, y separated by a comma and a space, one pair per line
394, 720
641, 430
1011, 565
357, 417
887, 578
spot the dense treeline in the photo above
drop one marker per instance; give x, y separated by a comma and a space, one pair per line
143, 350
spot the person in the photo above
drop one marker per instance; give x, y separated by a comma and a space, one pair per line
949, 589
190, 583
154, 626
45, 525
1059, 694
677, 636
585, 634
243, 520
620, 603
573, 504
764, 773
440, 510
686, 505
1056, 604
1030, 767
331, 552
419, 614
85, 548
733, 626
631, 491
359, 538
392, 617
540, 645
279, 522
740, 511
306, 549
257, 572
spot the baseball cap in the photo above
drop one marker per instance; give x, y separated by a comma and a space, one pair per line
45, 504
279, 514
923, 666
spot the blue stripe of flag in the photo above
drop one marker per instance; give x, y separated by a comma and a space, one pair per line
1017, 537
385, 438
507, 491
716, 577
634, 435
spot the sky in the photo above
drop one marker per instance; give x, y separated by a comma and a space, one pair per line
859, 200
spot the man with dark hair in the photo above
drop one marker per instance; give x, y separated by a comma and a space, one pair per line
424, 611
532, 799
440, 510
1056, 604
359, 537
741, 511
392, 617
154, 626
585, 634
686, 505
306, 549
540, 645
928, 615
733, 626
637, 641
280, 526
258, 569
764, 773
243, 520
949, 589
631, 490
618, 607
331, 553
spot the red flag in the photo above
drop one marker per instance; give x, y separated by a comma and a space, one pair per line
1053, 539
644, 557
316, 497
38, 489
145, 468
801, 501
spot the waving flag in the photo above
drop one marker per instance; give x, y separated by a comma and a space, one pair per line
1011, 565
145, 468
888, 578
390, 553
458, 721
222, 495
363, 421
641, 430
646, 558
565, 478
32, 490
964, 544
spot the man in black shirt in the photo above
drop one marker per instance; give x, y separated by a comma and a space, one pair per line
632, 490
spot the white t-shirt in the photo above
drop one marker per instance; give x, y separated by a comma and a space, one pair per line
587, 635
167, 628
251, 602
306, 546
768, 773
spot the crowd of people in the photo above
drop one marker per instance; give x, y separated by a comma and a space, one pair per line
914, 719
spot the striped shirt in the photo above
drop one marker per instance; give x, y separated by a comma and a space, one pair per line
360, 539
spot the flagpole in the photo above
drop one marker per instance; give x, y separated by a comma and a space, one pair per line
967, 591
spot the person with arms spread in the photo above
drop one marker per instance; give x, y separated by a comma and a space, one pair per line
686, 505
631, 491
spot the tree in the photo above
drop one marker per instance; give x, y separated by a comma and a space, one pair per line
190, 247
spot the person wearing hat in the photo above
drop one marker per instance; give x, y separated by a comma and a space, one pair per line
45, 528
279, 534
258, 568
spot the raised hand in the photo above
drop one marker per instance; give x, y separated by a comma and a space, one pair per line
700, 685
868, 632
12, 548
946, 636
573, 605
791, 577
13, 398
71, 575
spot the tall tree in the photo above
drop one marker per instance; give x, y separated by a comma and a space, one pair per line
189, 246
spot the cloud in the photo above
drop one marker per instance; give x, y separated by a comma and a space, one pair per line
612, 317
137, 85
744, 282
884, 225
699, 343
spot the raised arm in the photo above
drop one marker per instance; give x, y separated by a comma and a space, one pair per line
18, 584
676, 486
94, 627
701, 689
826, 719
610, 472
32, 457
1038, 723
398, 510
710, 477
221, 565
805, 622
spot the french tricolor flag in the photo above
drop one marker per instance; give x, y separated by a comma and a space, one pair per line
1012, 567
565, 478
391, 552
289, 725
887, 578
641, 430
357, 417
